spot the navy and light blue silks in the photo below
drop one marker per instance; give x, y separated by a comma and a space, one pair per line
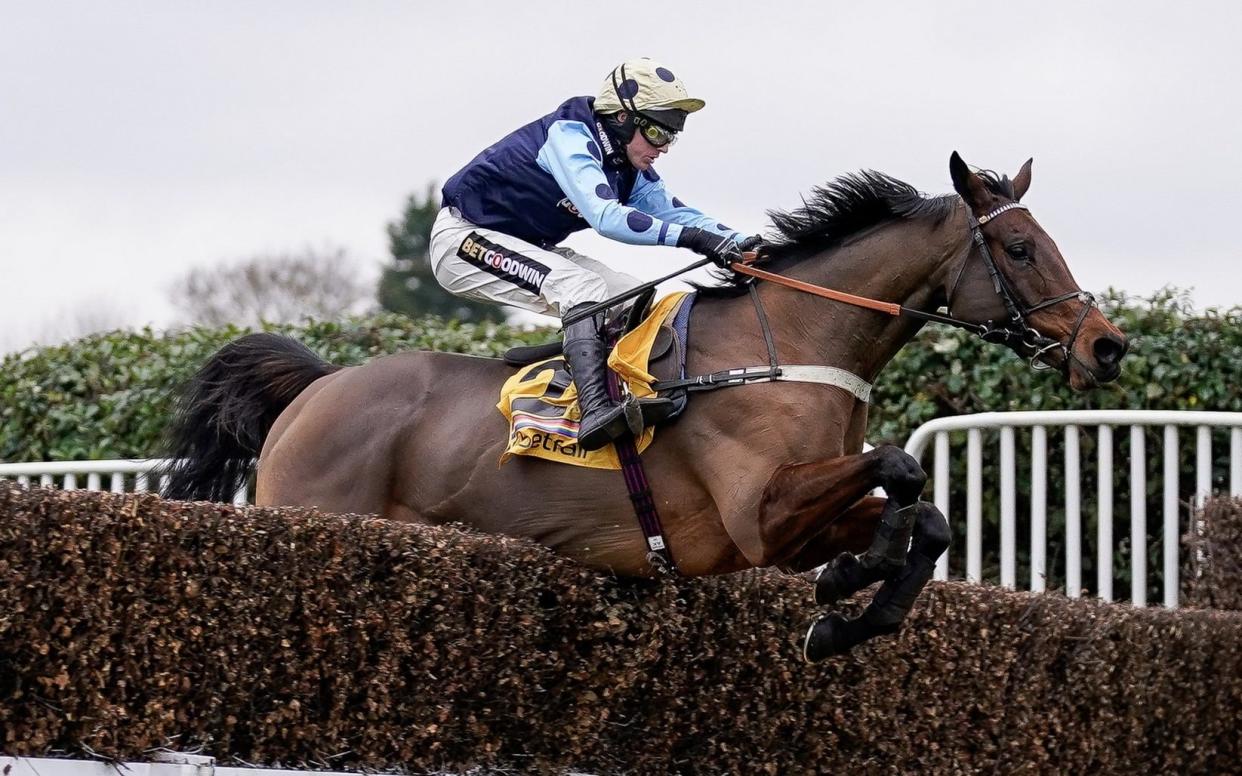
548, 179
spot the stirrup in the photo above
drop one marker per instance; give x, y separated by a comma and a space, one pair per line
633, 415
656, 410
613, 426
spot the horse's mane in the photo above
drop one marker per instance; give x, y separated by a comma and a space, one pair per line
835, 212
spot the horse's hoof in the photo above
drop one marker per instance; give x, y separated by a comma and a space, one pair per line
825, 638
830, 581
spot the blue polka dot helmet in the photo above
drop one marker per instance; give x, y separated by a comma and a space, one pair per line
647, 87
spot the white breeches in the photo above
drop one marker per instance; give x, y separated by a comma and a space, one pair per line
491, 266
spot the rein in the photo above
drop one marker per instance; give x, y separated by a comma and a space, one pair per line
891, 308
1016, 327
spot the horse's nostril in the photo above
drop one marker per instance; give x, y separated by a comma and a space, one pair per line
1109, 350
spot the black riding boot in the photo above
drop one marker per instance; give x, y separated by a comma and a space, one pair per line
602, 419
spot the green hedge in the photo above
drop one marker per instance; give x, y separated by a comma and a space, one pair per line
107, 395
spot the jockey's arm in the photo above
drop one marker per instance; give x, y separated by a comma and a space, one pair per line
651, 196
569, 155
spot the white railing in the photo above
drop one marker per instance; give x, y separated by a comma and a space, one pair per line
937, 433
123, 476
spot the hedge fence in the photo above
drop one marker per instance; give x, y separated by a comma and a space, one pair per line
290, 637
1213, 561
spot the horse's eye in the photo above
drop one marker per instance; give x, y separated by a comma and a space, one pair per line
1019, 252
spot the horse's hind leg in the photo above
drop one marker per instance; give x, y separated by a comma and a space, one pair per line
835, 635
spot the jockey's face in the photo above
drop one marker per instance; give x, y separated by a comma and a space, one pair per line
641, 153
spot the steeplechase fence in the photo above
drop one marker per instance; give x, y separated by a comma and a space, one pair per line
1023, 514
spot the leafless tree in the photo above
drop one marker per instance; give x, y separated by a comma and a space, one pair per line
281, 288
73, 320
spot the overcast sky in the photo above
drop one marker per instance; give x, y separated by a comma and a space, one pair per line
140, 139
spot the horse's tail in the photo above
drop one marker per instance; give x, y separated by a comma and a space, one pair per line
224, 412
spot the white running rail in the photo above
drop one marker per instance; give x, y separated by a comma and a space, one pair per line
1140, 423
123, 476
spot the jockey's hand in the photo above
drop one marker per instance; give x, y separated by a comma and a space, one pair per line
721, 250
750, 243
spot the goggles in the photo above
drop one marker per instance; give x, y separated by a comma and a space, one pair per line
655, 134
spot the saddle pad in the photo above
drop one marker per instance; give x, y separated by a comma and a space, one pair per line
540, 401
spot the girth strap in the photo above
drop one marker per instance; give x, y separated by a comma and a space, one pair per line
658, 554
790, 373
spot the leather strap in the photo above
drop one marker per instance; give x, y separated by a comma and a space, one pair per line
643, 500
789, 373
839, 296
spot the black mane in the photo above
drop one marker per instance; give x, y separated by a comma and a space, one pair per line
833, 213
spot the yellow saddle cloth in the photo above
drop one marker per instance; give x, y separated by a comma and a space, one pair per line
541, 403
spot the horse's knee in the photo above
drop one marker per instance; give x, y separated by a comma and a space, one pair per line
931, 531
902, 476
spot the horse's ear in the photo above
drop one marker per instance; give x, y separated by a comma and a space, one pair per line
1022, 181
965, 182
960, 173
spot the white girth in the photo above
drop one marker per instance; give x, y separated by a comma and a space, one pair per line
800, 373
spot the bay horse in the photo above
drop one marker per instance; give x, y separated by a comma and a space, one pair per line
761, 475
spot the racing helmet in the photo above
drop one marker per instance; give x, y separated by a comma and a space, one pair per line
645, 88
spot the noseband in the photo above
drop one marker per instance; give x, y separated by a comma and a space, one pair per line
1016, 332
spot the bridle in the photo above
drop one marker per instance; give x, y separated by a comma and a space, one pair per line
1016, 332
1036, 344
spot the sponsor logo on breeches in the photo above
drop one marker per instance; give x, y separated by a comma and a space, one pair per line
522, 271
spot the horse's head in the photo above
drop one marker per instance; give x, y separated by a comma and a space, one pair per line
1014, 278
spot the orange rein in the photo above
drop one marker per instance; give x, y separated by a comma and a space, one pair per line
745, 267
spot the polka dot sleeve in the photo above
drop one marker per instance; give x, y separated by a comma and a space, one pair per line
572, 157
651, 197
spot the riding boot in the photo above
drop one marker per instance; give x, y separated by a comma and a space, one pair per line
601, 419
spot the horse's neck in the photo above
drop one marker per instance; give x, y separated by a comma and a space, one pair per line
904, 262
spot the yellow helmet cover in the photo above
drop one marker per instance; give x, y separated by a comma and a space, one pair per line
644, 84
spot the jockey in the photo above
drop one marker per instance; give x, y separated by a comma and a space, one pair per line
587, 163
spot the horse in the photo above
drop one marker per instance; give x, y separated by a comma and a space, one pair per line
765, 474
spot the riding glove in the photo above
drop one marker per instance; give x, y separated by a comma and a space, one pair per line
750, 243
721, 250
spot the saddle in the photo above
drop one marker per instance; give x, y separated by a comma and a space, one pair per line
540, 401
623, 320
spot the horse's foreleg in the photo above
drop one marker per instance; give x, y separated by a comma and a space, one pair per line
835, 635
801, 501
850, 532
864, 545
848, 573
